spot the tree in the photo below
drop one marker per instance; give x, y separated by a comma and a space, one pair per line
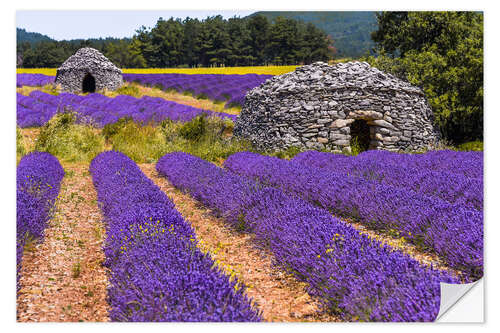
166, 40
318, 46
240, 49
190, 47
46, 54
442, 52
258, 27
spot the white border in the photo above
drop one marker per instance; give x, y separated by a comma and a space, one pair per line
492, 111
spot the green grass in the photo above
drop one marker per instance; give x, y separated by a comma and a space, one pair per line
471, 146
130, 90
288, 154
20, 149
356, 147
206, 137
143, 144
69, 141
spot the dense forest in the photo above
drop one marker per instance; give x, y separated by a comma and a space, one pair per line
350, 31
213, 41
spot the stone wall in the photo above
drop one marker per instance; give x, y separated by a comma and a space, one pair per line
71, 79
313, 108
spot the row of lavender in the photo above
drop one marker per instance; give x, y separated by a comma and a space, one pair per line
221, 87
33, 80
352, 275
37, 108
468, 164
157, 272
453, 231
456, 178
39, 177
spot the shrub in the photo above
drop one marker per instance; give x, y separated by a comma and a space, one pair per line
129, 90
206, 137
194, 129
140, 143
111, 129
69, 141
213, 139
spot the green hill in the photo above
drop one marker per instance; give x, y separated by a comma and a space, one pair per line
31, 37
349, 30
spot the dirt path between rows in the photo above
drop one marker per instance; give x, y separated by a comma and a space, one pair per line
62, 278
280, 296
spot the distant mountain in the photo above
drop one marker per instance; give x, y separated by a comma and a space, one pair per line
349, 30
32, 37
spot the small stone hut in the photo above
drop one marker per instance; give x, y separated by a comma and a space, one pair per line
88, 70
326, 107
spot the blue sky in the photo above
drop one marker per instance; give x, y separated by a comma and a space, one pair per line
73, 24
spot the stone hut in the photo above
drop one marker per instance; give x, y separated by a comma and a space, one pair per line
88, 70
328, 107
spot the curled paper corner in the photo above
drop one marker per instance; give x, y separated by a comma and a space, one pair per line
451, 294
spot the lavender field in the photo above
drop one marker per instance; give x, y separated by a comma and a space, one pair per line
347, 271
220, 87
178, 236
37, 108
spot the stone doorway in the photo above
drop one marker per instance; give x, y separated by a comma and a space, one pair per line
88, 84
360, 136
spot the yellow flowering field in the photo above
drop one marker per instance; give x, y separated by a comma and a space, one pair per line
271, 70
46, 71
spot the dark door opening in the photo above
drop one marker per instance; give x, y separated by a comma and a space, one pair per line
88, 84
360, 136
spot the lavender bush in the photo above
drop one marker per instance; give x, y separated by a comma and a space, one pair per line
222, 87
157, 272
39, 177
351, 274
454, 232
37, 108
445, 183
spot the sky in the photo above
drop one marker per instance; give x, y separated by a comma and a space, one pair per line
75, 24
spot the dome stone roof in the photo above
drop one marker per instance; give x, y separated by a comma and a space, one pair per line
321, 76
88, 58
320, 107
88, 70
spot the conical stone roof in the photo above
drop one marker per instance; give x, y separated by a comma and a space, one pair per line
321, 76
88, 58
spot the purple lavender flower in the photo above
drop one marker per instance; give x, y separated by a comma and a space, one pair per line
33, 80
37, 108
222, 87
453, 231
39, 177
349, 273
157, 272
